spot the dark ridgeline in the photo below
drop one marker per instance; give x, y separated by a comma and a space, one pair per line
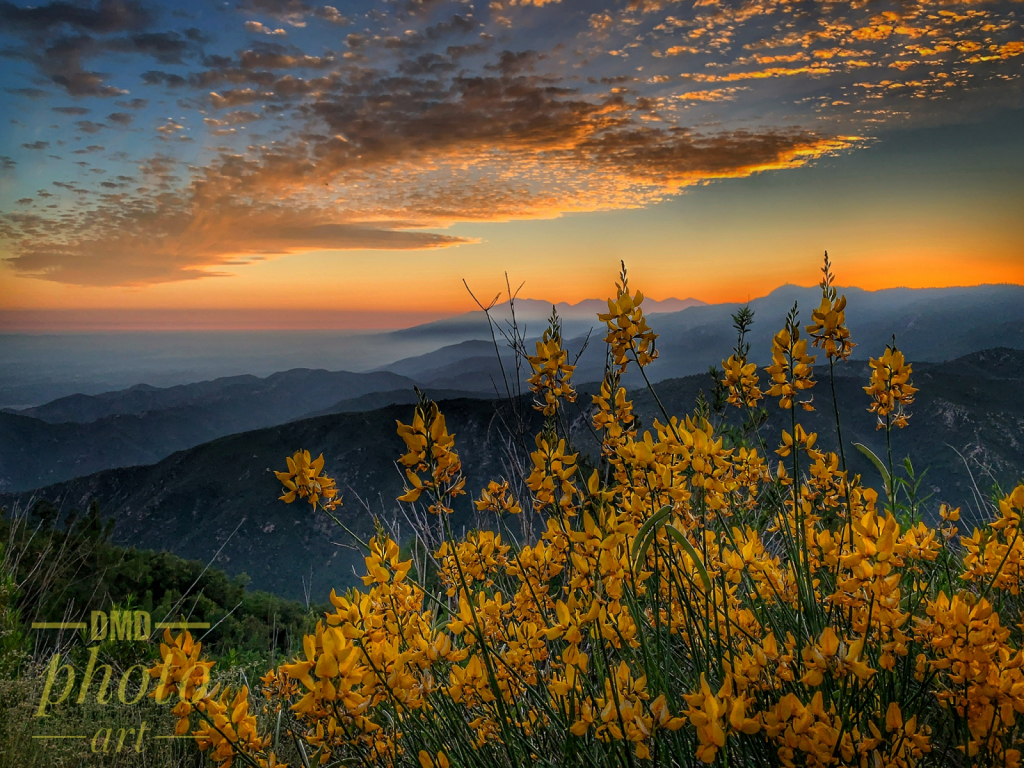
191, 501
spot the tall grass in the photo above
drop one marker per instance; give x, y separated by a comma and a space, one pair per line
57, 567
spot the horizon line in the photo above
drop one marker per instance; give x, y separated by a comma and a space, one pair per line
87, 320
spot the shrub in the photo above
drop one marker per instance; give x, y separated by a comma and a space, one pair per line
684, 601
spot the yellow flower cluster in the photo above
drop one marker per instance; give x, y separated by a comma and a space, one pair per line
675, 605
431, 463
552, 477
551, 371
181, 672
890, 388
227, 729
613, 419
477, 559
497, 498
792, 369
629, 337
828, 321
305, 480
995, 558
741, 382
978, 672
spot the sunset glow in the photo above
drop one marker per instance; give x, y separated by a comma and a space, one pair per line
362, 160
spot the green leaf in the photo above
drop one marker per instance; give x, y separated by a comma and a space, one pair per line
878, 465
645, 536
702, 571
301, 750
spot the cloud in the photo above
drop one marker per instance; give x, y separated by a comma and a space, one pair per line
156, 77
236, 97
165, 47
59, 37
273, 56
235, 118
61, 60
456, 25
192, 238
259, 29
677, 159
291, 12
77, 111
88, 126
760, 74
397, 156
105, 16
717, 94
433, 112
29, 93
133, 103
37, 145
333, 15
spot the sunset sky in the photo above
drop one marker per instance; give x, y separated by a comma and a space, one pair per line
363, 158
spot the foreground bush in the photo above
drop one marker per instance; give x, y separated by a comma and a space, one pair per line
685, 601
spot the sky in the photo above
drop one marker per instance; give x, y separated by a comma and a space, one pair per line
288, 163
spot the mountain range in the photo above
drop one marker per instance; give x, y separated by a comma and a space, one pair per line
221, 496
80, 434
37, 368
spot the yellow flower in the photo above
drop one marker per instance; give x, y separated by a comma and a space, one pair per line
497, 498
431, 463
802, 441
828, 326
180, 670
426, 761
740, 379
628, 332
551, 371
682, 589
304, 479
792, 368
890, 388
552, 477
614, 419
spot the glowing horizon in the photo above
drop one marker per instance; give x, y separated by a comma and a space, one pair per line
361, 161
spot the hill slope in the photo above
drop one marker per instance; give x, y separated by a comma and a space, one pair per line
82, 434
273, 396
192, 501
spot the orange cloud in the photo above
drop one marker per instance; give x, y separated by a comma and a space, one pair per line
390, 163
424, 120
761, 74
717, 94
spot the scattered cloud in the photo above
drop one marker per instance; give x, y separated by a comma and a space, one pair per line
60, 37
424, 113
258, 28
191, 238
105, 16
716, 94
291, 12
28, 93
333, 15
88, 126
132, 104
